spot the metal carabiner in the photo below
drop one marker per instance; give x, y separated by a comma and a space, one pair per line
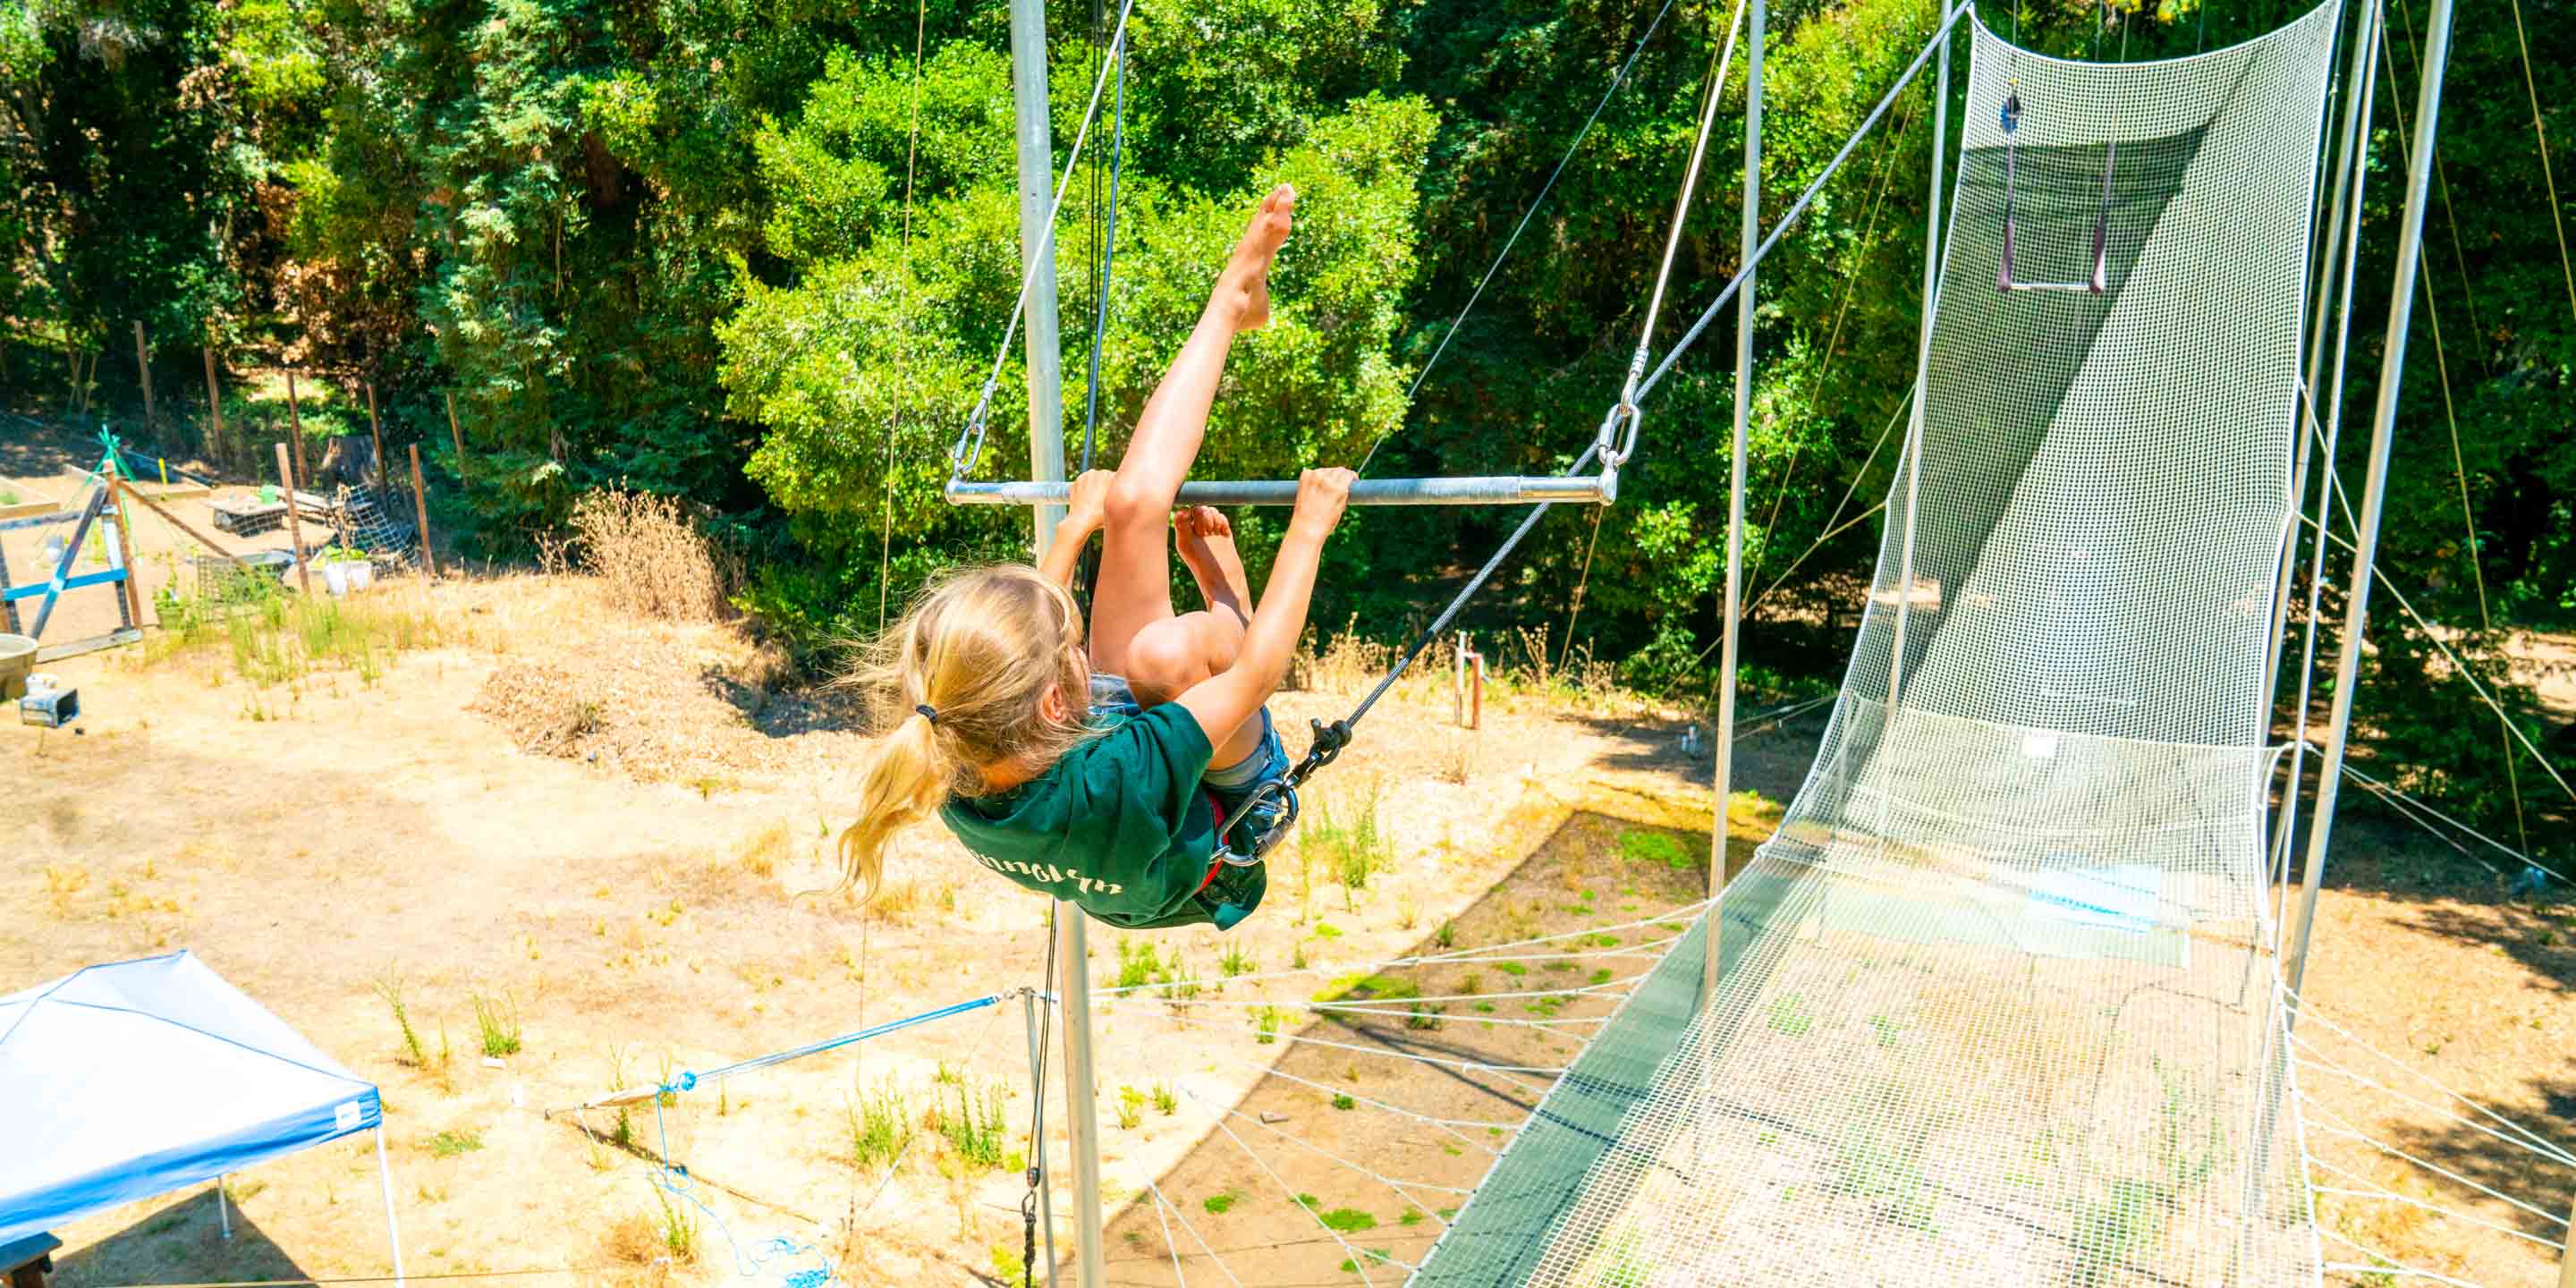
1618, 436
969, 447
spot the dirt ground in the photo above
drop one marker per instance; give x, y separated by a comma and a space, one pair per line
598, 828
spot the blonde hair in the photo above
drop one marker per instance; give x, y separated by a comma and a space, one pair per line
982, 648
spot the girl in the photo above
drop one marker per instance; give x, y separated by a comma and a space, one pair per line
1127, 778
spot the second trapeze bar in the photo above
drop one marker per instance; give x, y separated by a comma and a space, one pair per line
1488, 490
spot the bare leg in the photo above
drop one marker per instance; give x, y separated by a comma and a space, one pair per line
1206, 541
1134, 589
1166, 658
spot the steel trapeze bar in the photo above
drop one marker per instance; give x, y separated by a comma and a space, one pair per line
1487, 490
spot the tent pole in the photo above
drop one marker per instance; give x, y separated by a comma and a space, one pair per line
385, 1174
223, 1211
2365, 555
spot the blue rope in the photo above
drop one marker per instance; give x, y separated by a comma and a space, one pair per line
748, 1263
689, 1080
674, 1180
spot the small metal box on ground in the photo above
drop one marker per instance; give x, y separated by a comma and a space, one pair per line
50, 708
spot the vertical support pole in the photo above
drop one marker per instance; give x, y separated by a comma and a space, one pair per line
456, 436
214, 404
1723, 776
420, 510
118, 521
2365, 556
1046, 463
1913, 456
2567, 1253
143, 372
1458, 683
376, 432
2347, 171
1476, 694
1037, 191
385, 1174
223, 1210
294, 524
295, 423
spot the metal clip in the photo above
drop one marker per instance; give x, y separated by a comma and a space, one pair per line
1618, 437
969, 447
1328, 744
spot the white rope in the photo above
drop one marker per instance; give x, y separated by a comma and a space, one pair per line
1402, 1188
2384, 789
2412, 812
1464, 956
1476, 1066
2317, 1061
1169, 1244
1940, 33
1359, 1262
1681, 208
1046, 244
1379, 1005
2383, 1264
1194, 1234
2339, 1127
1449, 1125
2380, 1193
2308, 1013
2456, 664
1616, 80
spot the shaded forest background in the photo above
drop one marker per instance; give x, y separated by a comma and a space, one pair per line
698, 247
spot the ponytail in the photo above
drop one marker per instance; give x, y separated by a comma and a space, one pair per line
907, 776
959, 686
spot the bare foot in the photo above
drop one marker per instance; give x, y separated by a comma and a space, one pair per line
1246, 282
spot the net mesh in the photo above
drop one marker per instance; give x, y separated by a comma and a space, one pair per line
1996, 1003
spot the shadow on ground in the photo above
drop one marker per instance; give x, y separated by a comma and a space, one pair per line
181, 1241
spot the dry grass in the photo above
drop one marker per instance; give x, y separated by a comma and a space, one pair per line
652, 560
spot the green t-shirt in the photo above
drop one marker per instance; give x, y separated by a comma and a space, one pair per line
1120, 826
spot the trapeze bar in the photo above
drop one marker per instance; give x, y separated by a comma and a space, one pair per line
1491, 490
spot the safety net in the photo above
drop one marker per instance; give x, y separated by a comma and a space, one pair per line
1997, 1003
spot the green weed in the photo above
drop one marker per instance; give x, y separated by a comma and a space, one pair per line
498, 1021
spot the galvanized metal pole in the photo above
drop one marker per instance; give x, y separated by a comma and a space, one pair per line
1046, 465
2392, 370
2345, 157
1913, 455
1724, 753
1037, 194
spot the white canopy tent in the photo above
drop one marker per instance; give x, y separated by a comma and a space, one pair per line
131, 1079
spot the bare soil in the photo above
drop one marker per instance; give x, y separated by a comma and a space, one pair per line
606, 825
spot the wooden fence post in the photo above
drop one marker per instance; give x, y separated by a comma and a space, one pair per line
376, 431
294, 528
214, 405
458, 435
122, 520
295, 427
143, 372
420, 507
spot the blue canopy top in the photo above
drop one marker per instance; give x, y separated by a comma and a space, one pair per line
131, 1079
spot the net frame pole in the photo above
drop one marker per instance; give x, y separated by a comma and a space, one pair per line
2365, 558
1914, 419
1723, 773
1035, 132
2344, 164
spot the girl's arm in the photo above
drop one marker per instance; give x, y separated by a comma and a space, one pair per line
1222, 702
1082, 518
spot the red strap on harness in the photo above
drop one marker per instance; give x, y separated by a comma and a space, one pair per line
1216, 860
